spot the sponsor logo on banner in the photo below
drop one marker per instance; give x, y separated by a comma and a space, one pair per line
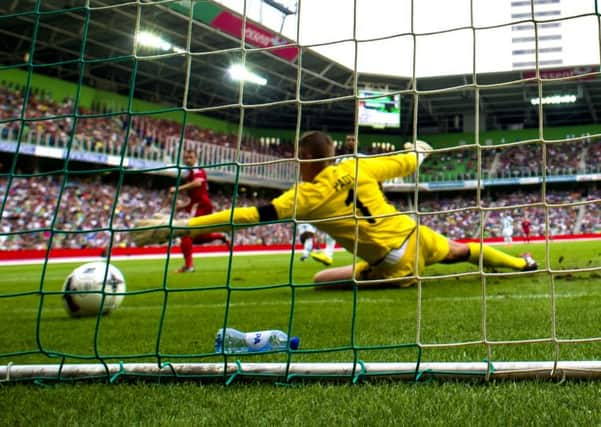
560, 73
231, 23
254, 35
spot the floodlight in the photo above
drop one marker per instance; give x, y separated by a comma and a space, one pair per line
555, 99
240, 72
148, 39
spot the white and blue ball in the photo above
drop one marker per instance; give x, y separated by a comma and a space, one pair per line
93, 288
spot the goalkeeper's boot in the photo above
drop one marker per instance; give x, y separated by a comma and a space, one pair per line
185, 269
321, 257
531, 264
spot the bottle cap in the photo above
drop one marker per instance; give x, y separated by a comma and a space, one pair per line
294, 343
219, 341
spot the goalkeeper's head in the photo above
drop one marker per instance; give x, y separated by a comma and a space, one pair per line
317, 147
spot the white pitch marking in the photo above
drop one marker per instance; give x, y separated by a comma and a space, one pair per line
342, 301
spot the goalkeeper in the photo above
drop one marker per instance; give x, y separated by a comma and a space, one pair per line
346, 201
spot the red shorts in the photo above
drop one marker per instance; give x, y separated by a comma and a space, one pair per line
200, 210
203, 210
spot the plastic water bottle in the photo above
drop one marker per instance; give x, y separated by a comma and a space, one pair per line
235, 341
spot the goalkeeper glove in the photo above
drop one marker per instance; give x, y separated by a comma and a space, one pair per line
422, 149
157, 230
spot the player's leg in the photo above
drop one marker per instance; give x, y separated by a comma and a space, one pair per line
330, 246
344, 275
341, 278
211, 237
491, 257
437, 248
186, 245
508, 236
326, 256
397, 269
307, 240
208, 237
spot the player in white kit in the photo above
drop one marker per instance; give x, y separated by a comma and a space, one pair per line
507, 232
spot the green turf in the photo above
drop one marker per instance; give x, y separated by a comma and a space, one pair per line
175, 320
377, 404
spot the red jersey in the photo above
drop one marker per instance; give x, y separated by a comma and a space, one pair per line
526, 226
199, 196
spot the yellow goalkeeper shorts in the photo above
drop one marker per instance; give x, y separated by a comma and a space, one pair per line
399, 268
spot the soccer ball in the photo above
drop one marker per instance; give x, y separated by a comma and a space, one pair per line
85, 286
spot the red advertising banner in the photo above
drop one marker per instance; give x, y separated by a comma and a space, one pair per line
254, 35
40, 254
558, 73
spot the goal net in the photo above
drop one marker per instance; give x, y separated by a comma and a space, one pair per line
101, 99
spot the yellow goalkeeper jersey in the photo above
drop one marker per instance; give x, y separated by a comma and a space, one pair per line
348, 198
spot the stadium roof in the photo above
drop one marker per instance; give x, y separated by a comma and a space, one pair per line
326, 86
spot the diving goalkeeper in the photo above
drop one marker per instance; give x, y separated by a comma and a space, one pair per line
347, 202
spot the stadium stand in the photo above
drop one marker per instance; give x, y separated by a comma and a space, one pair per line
85, 206
86, 203
49, 123
157, 139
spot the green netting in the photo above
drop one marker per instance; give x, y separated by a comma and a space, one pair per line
470, 319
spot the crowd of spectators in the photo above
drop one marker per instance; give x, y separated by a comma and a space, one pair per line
563, 217
454, 216
522, 160
562, 158
81, 212
458, 217
591, 222
446, 165
51, 123
593, 158
514, 161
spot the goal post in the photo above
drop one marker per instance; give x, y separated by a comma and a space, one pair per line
363, 371
96, 110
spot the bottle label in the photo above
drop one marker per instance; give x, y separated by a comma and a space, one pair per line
257, 341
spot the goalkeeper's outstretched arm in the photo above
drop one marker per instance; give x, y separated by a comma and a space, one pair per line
155, 231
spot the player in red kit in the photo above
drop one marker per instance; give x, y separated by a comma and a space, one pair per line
197, 187
526, 228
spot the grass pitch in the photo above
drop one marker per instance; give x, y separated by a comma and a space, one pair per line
168, 317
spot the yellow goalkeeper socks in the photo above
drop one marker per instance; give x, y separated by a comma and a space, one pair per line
494, 258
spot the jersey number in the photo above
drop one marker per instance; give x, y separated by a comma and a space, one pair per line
362, 208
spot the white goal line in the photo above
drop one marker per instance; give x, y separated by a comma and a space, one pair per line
330, 301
